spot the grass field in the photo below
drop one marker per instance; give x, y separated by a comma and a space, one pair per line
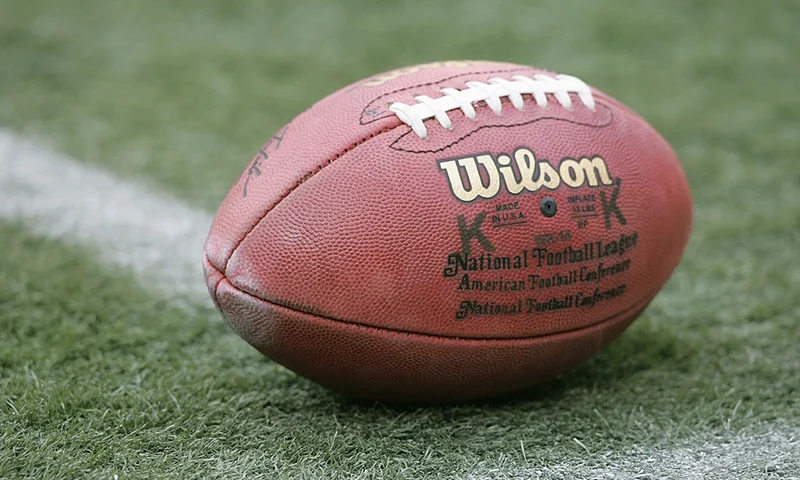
101, 374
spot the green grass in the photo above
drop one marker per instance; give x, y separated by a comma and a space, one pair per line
98, 378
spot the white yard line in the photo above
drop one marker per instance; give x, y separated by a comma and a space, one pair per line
160, 240
743, 456
130, 225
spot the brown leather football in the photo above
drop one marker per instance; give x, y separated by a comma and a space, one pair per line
448, 232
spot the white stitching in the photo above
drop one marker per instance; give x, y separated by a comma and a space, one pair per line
560, 86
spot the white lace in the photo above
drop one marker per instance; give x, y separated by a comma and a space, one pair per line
560, 86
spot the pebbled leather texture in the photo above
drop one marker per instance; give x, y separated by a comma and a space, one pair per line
343, 252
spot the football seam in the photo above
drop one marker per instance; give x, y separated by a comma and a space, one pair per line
529, 122
297, 184
639, 304
363, 111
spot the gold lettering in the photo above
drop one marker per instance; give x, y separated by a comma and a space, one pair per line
531, 175
571, 173
594, 167
476, 186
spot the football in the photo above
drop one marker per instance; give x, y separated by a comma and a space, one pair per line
448, 232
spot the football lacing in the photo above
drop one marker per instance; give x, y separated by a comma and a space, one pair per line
560, 86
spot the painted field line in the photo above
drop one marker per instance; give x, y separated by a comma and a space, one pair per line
160, 240
743, 456
130, 225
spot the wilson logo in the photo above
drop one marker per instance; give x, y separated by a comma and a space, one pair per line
529, 175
